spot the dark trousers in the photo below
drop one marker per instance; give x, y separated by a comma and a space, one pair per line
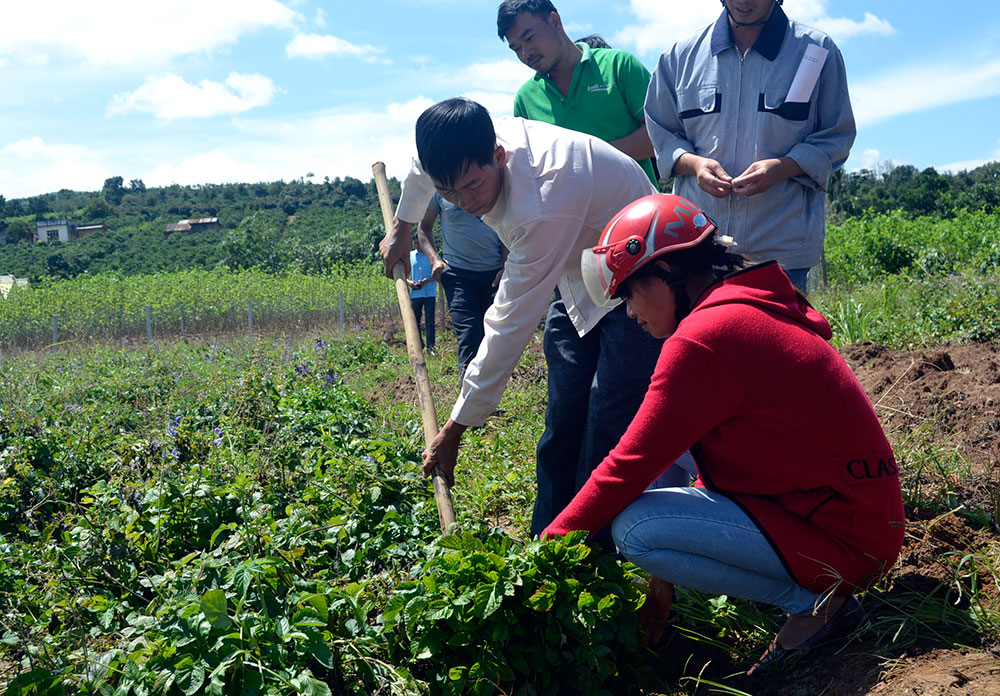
596, 384
425, 305
469, 295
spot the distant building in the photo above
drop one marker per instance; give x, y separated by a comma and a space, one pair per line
8, 281
84, 230
192, 226
54, 230
63, 230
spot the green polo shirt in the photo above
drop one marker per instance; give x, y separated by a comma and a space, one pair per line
606, 97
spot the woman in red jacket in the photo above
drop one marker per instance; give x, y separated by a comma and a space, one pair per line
797, 502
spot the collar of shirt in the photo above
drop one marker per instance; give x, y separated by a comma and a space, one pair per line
579, 66
767, 44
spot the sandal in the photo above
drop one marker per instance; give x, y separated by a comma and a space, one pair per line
843, 622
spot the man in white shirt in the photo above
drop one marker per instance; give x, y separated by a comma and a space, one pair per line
548, 192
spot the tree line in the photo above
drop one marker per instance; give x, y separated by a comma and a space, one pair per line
888, 187
314, 226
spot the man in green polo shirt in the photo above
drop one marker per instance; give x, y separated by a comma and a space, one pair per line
598, 91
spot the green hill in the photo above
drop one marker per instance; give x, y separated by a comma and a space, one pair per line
297, 225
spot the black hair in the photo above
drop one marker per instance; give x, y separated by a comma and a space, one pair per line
453, 134
707, 257
509, 11
594, 41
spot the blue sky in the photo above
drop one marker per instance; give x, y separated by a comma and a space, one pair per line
212, 91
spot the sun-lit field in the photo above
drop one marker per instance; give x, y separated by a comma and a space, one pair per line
247, 516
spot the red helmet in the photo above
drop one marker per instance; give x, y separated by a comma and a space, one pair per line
644, 229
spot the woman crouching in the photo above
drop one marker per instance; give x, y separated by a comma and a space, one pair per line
797, 502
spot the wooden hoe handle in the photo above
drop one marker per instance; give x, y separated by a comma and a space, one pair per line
442, 491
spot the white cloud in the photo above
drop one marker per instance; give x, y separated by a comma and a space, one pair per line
578, 29
30, 166
316, 46
916, 88
842, 29
493, 76
966, 165
341, 142
661, 24
214, 167
129, 33
409, 111
169, 96
338, 142
870, 159
497, 103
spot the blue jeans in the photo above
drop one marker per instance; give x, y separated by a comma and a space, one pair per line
469, 295
425, 305
595, 386
799, 277
702, 540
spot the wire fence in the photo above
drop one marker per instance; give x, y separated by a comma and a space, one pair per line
256, 317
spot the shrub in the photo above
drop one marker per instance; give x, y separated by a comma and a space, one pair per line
489, 615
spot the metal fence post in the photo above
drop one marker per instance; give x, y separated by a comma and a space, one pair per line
183, 334
341, 310
250, 315
55, 331
149, 324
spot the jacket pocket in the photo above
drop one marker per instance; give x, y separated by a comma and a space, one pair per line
772, 101
699, 102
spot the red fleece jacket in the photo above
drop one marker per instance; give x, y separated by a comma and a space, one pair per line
776, 421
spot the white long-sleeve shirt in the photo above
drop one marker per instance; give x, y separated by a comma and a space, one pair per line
560, 189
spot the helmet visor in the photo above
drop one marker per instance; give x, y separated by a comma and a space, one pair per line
597, 277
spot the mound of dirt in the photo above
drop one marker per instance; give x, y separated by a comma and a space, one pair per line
951, 392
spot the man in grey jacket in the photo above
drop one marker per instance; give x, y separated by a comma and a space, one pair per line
751, 116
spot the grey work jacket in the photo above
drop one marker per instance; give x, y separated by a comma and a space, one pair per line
705, 99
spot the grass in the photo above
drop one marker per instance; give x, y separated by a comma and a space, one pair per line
91, 416
906, 312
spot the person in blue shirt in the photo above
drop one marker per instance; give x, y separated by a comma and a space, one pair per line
423, 294
469, 268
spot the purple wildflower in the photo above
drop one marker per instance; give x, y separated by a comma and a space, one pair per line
330, 378
218, 437
301, 370
172, 428
320, 344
